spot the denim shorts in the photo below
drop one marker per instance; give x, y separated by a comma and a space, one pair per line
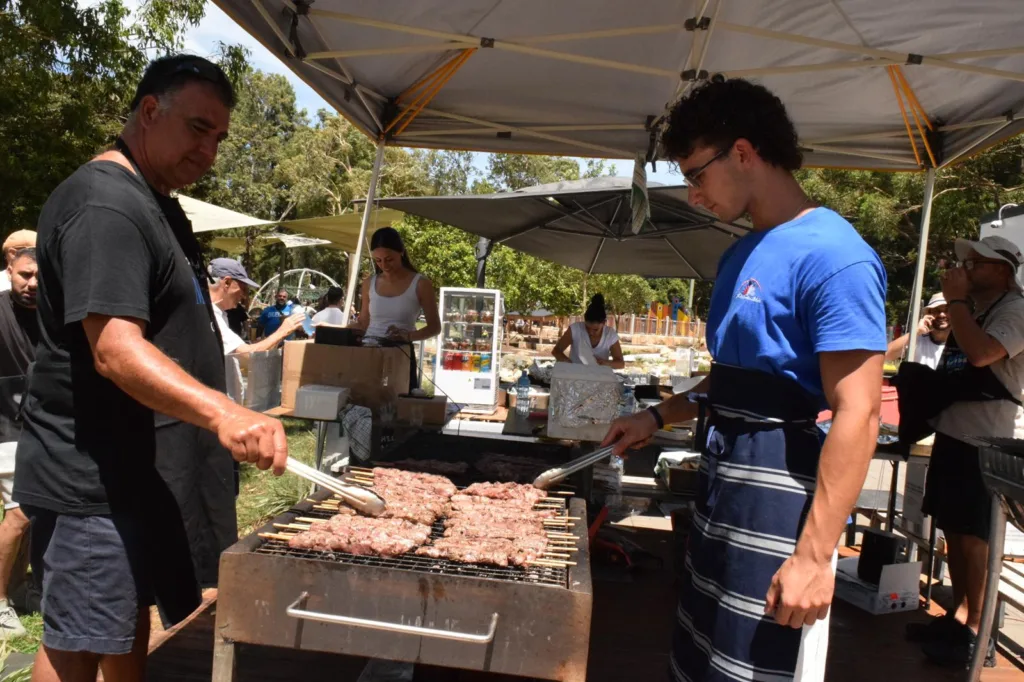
94, 580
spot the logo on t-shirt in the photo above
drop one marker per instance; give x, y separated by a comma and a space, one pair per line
750, 290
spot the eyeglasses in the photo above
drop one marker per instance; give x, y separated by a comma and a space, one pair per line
972, 263
693, 176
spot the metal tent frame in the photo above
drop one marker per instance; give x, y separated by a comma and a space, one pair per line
404, 73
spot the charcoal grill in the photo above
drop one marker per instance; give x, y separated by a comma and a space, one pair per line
528, 621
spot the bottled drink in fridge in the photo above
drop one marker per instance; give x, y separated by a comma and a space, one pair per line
485, 363
523, 395
628, 401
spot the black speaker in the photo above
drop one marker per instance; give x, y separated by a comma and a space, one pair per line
337, 336
879, 549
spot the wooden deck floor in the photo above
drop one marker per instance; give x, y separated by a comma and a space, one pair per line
632, 625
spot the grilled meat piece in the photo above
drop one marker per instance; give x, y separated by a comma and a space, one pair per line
494, 551
362, 535
506, 491
439, 485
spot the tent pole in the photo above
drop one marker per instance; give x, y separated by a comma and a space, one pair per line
922, 253
353, 271
689, 301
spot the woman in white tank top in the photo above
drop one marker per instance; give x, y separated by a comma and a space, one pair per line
592, 341
394, 297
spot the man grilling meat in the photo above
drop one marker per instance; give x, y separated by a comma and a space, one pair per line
129, 363
797, 324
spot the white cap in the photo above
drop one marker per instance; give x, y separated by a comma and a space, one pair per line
995, 248
935, 301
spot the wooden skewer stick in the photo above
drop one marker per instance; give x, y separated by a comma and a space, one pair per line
291, 526
352, 468
277, 536
550, 564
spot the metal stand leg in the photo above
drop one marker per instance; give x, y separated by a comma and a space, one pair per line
931, 563
223, 660
995, 567
321, 443
890, 517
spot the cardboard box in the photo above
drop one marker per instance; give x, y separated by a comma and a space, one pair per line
428, 410
374, 376
897, 590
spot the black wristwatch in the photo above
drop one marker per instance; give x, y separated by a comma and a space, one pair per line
657, 417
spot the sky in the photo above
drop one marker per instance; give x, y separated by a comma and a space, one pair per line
217, 27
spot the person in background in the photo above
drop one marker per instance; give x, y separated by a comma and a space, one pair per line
592, 341
331, 314
19, 333
125, 455
273, 316
985, 348
238, 318
394, 296
796, 325
932, 332
229, 289
16, 241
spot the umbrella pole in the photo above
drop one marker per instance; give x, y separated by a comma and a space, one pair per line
353, 271
917, 293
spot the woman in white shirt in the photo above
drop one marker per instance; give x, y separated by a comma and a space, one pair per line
395, 295
592, 341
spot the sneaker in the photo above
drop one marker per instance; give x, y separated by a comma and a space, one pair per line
956, 651
10, 626
934, 630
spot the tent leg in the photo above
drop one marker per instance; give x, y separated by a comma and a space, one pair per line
353, 271
917, 294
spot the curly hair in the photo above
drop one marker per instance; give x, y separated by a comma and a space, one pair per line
718, 113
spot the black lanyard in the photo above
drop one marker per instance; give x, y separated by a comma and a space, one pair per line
185, 239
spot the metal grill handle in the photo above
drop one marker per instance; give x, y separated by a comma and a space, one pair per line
295, 612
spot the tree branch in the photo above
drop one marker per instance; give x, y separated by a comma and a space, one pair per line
918, 207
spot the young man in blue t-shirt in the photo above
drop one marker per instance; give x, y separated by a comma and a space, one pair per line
796, 325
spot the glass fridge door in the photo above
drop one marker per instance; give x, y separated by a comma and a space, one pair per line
467, 331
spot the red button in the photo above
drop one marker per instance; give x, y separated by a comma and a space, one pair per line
894, 596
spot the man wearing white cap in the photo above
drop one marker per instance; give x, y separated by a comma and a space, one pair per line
983, 364
932, 331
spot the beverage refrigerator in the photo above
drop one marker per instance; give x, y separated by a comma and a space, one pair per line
468, 357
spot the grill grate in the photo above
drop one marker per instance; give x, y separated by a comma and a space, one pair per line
541, 575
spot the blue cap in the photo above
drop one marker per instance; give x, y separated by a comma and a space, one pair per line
227, 267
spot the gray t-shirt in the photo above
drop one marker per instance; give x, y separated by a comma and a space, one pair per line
1005, 323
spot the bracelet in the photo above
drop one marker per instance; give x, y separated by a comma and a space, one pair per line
657, 417
961, 300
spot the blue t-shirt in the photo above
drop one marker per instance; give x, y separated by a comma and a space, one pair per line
783, 295
271, 318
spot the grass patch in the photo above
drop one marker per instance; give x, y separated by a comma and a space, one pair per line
28, 644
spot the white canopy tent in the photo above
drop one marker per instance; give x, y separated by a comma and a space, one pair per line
901, 86
910, 86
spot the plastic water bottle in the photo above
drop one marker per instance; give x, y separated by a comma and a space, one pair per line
629, 400
523, 395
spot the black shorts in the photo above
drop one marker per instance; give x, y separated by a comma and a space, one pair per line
955, 495
94, 580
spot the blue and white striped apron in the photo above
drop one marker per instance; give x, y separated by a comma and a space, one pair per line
756, 483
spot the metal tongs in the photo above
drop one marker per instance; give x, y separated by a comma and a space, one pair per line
359, 498
553, 477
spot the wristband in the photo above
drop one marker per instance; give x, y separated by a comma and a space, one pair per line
657, 417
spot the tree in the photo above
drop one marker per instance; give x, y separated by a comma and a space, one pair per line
72, 71
623, 294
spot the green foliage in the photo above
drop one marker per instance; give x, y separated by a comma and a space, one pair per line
68, 75
623, 294
886, 210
